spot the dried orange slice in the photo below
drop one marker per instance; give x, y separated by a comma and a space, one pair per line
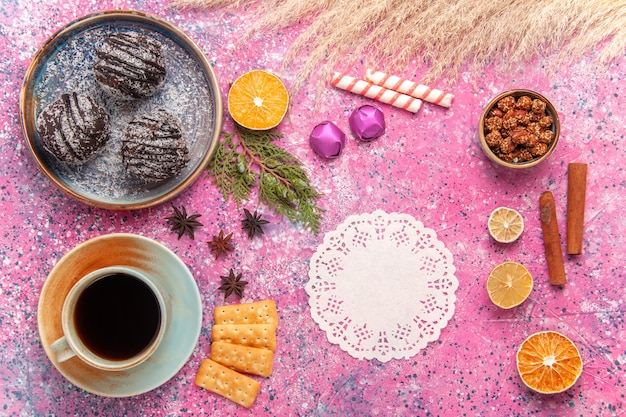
549, 362
258, 100
509, 284
505, 224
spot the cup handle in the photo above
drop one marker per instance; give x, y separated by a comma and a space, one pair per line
62, 350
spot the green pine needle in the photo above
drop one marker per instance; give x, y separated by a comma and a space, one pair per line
248, 158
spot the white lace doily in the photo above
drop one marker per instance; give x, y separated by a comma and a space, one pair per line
382, 286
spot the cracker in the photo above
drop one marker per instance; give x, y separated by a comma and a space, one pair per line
228, 383
244, 359
254, 335
247, 313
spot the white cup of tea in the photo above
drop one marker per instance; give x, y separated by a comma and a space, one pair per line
113, 319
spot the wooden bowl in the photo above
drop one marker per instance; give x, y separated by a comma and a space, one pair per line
550, 111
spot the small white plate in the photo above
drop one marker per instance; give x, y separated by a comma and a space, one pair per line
181, 296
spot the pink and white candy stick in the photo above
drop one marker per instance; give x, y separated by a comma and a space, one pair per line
378, 93
411, 88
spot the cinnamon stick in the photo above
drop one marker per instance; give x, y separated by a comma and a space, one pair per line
552, 239
576, 190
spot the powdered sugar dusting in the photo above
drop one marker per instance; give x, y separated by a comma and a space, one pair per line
73, 128
153, 148
130, 65
186, 94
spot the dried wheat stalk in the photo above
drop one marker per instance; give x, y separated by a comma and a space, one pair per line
435, 37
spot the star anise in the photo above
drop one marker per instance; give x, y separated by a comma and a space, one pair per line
182, 223
221, 244
253, 223
232, 284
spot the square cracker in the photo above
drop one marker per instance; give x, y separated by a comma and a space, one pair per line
244, 359
228, 383
247, 313
254, 335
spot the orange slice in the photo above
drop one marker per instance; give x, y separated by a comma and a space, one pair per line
258, 100
505, 224
509, 284
549, 362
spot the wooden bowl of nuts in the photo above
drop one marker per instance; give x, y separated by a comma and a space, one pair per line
519, 129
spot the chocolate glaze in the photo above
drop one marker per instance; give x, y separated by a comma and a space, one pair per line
130, 65
153, 147
73, 128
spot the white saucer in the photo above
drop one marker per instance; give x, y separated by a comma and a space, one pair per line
181, 296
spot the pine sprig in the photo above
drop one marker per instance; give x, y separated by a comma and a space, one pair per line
247, 158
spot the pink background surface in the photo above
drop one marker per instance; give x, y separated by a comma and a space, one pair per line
428, 165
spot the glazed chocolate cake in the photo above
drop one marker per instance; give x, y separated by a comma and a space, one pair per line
73, 128
130, 65
153, 148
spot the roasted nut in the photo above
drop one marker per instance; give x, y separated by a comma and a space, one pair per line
493, 123
496, 112
534, 128
493, 139
546, 136
506, 104
533, 140
509, 121
519, 136
538, 106
545, 122
539, 149
507, 145
524, 155
522, 116
524, 103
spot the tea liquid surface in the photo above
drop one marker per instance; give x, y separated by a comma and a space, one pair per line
117, 316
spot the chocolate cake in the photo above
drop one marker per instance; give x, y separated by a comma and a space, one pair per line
153, 148
73, 128
130, 65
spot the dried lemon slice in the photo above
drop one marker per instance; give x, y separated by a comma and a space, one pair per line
505, 224
549, 362
509, 284
258, 100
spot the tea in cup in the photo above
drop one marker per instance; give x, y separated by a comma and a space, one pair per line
113, 319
